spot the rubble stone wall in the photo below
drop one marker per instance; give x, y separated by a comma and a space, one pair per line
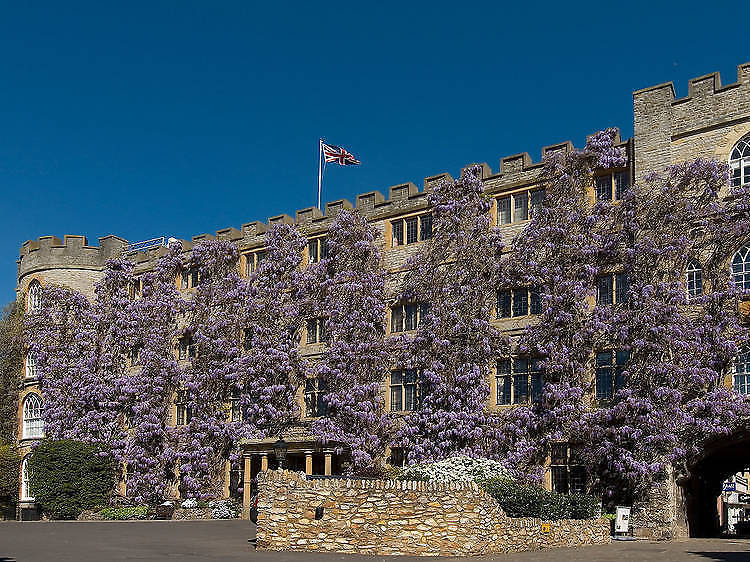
388, 517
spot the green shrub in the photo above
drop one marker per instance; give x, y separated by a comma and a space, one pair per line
10, 463
124, 513
68, 476
527, 500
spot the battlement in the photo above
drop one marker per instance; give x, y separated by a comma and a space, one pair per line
50, 252
698, 88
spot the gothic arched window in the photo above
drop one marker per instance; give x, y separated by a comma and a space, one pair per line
26, 480
33, 417
30, 365
739, 162
741, 268
34, 296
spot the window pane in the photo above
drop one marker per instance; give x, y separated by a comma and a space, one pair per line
411, 317
604, 289
425, 227
536, 302
411, 230
398, 232
520, 389
521, 207
503, 366
621, 287
622, 183
395, 377
424, 310
397, 319
503, 390
560, 479
312, 251
503, 304
520, 365
621, 358
312, 336
520, 302
410, 397
410, 376
604, 188
396, 405
604, 359
323, 248
604, 383
577, 479
503, 210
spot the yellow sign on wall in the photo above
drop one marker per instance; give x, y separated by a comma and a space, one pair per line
545, 527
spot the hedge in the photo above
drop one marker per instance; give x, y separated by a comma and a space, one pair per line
124, 513
10, 463
526, 500
67, 477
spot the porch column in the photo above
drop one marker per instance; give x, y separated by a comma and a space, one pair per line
264, 461
308, 462
246, 484
328, 463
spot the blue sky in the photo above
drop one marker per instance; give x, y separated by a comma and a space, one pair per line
156, 118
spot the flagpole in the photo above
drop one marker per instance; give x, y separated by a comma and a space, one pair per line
320, 168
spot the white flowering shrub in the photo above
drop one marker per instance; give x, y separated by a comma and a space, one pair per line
456, 469
224, 509
189, 503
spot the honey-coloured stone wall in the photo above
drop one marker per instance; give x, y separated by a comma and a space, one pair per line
389, 517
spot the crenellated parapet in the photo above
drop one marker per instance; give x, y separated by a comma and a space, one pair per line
73, 251
704, 123
48, 252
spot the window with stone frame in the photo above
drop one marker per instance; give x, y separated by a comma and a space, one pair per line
316, 329
253, 261
30, 371
739, 163
186, 347
741, 371
26, 494
315, 392
519, 207
34, 296
184, 410
135, 290
189, 278
567, 472
611, 186
317, 249
610, 365
32, 422
522, 301
404, 390
612, 288
410, 230
741, 268
519, 380
408, 317
694, 279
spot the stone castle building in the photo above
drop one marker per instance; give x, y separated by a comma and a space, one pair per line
713, 121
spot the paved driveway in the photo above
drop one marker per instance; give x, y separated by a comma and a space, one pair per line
227, 541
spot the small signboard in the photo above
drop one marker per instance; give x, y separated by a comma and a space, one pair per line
730, 487
545, 527
622, 519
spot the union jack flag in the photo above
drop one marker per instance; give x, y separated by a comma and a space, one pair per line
338, 155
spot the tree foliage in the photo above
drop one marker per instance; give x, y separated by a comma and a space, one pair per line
11, 361
67, 477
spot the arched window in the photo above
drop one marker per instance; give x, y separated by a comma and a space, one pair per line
694, 279
33, 417
30, 365
25, 480
741, 371
741, 268
34, 296
739, 162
